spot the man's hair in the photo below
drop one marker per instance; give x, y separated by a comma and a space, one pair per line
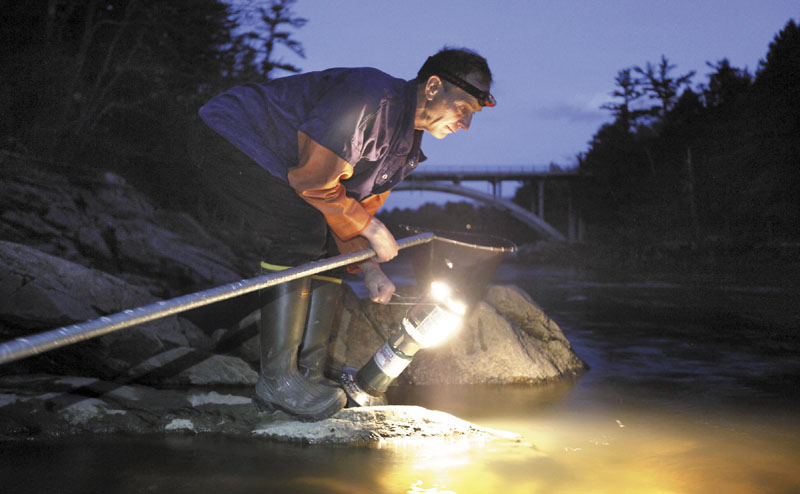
458, 61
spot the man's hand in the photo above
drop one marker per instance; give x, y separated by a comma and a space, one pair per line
381, 240
379, 285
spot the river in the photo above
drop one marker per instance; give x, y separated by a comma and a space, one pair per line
692, 388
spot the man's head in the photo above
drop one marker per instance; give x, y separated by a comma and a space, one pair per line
452, 85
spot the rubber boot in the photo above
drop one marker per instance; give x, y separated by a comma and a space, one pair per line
325, 297
280, 385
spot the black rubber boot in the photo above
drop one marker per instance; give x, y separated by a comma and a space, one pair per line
280, 385
325, 297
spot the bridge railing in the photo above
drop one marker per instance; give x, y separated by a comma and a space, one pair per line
505, 172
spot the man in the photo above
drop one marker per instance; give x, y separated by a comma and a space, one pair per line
307, 160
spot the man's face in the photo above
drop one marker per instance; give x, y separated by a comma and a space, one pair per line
451, 108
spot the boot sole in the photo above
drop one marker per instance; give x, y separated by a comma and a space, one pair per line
269, 407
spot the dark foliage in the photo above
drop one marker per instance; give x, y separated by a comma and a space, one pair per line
115, 84
715, 164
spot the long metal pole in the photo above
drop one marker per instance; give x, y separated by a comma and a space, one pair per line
67, 335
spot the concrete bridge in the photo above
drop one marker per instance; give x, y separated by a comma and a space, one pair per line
448, 179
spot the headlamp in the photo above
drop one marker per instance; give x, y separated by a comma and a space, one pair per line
485, 98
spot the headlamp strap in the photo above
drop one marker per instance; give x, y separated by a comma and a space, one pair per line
485, 98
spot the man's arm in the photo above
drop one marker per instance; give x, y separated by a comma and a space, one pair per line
317, 179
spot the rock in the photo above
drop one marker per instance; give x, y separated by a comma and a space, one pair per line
183, 365
379, 424
506, 339
104, 223
142, 247
521, 312
39, 292
75, 250
243, 340
363, 327
49, 406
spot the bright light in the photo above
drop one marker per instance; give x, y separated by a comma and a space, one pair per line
457, 307
440, 291
443, 293
437, 327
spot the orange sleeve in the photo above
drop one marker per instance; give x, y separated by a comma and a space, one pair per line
373, 203
317, 180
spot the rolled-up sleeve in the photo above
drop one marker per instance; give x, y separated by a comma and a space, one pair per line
317, 179
371, 205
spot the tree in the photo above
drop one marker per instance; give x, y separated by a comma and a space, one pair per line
628, 91
782, 57
776, 116
726, 85
87, 71
659, 85
277, 17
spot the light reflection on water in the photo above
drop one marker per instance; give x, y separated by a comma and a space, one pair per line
692, 390
622, 447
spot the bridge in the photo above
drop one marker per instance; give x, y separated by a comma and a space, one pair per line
449, 178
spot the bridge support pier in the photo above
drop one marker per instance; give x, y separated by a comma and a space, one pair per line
540, 196
574, 220
497, 188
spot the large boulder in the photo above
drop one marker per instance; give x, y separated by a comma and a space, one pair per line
102, 222
506, 339
40, 292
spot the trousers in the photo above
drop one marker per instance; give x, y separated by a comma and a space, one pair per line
265, 205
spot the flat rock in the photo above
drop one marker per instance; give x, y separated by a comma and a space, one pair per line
379, 424
43, 406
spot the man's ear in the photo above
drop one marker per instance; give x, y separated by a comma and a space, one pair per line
432, 87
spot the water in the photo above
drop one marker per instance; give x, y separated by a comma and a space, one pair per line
692, 389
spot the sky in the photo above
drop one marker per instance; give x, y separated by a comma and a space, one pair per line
553, 62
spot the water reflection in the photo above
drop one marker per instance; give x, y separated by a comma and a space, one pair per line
609, 442
692, 389
614, 446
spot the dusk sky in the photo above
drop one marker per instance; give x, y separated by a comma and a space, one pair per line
554, 63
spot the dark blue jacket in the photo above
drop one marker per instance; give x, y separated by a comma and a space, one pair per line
362, 117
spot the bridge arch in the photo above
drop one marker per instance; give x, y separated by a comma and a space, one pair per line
521, 214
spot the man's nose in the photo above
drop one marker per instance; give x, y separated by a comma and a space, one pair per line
464, 122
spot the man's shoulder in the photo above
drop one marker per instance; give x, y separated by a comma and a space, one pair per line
364, 77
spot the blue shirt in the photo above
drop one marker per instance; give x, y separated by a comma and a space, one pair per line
362, 115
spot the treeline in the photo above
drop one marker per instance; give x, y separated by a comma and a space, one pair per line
115, 84
719, 162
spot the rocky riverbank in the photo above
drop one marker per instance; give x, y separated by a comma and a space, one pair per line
72, 250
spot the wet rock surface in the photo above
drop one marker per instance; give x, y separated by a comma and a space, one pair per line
50, 406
